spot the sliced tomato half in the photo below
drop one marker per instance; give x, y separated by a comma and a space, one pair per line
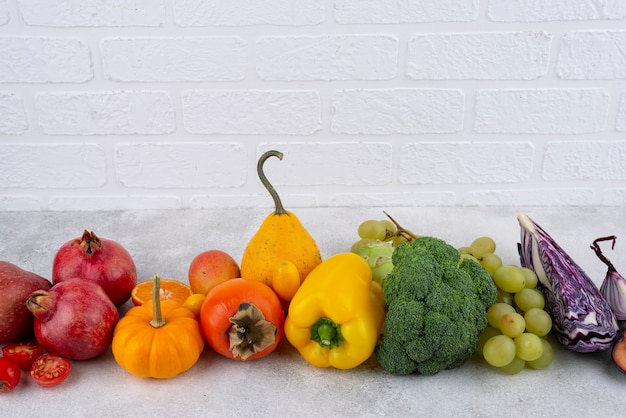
23, 353
50, 369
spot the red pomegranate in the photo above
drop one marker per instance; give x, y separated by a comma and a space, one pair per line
74, 319
101, 260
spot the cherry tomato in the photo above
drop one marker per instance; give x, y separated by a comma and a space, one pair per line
50, 369
23, 353
9, 374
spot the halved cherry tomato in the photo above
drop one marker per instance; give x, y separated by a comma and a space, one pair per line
9, 374
23, 353
50, 369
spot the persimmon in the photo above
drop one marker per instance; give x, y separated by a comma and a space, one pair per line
242, 319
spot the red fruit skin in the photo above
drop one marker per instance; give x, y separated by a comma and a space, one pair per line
16, 285
74, 319
101, 260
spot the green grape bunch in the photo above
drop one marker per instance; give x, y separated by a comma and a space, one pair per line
377, 240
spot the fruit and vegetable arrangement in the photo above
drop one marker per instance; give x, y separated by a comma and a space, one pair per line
414, 304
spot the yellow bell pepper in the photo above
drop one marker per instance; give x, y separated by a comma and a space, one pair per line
336, 316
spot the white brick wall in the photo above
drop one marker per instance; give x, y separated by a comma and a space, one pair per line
140, 104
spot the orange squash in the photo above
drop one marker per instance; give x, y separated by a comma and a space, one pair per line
160, 339
282, 251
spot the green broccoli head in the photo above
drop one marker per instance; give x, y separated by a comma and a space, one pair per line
437, 305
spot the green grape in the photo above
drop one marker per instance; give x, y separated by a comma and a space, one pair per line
546, 357
512, 324
527, 299
378, 256
481, 246
464, 250
471, 257
363, 241
505, 297
514, 367
531, 277
528, 346
398, 240
372, 229
509, 278
538, 321
389, 226
487, 333
495, 312
499, 350
491, 263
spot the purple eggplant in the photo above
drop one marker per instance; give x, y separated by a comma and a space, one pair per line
582, 319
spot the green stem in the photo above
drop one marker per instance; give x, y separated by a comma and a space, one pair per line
280, 210
157, 317
326, 333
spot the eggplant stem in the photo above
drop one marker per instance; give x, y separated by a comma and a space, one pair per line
596, 248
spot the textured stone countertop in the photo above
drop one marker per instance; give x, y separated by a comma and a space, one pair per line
283, 384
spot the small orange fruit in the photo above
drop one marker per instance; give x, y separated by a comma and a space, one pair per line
194, 303
170, 289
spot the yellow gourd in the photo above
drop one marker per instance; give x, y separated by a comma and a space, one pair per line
281, 243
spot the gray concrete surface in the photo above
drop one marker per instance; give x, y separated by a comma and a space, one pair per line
283, 384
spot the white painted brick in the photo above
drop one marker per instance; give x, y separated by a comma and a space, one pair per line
403, 11
337, 163
264, 200
614, 197
592, 55
105, 112
252, 112
93, 13
113, 202
366, 200
550, 10
12, 115
44, 60
180, 165
620, 123
584, 160
329, 57
465, 162
63, 166
530, 197
541, 111
402, 111
245, 13
4, 13
174, 59
10, 203
499, 56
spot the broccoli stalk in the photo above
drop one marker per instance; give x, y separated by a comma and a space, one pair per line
437, 308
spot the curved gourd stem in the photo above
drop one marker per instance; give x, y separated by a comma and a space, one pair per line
259, 169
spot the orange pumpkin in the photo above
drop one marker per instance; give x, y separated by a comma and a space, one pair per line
160, 339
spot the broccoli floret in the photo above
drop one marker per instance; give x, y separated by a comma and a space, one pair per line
437, 308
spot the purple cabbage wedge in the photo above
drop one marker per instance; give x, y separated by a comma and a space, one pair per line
582, 320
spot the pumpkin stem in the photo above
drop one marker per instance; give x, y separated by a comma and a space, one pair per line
280, 210
157, 318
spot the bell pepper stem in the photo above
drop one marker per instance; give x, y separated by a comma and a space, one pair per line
157, 318
326, 333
